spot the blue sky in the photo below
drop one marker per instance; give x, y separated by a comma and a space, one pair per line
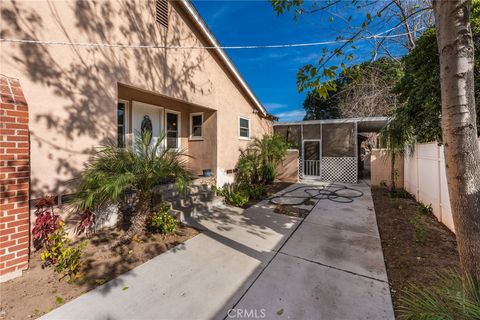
271, 73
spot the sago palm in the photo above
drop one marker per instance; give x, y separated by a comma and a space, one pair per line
114, 170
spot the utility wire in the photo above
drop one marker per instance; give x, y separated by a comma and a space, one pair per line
154, 46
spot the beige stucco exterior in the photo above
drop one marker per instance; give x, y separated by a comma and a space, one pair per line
73, 91
380, 168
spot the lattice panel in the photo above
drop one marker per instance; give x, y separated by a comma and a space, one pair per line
339, 169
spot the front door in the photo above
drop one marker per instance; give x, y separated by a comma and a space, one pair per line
311, 158
146, 116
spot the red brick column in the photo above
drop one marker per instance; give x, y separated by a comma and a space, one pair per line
14, 180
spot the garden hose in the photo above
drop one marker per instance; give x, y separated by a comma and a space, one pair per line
333, 192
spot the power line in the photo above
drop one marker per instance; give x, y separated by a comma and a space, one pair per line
154, 46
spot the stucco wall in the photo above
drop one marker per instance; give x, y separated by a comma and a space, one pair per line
287, 170
380, 168
72, 91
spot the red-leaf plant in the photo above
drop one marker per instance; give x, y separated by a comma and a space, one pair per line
87, 223
46, 223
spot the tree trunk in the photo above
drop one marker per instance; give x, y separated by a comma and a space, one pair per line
142, 211
462, 153
393, 186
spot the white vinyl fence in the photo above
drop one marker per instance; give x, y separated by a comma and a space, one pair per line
425, 178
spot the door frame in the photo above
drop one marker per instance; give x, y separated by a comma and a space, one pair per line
319, 158
161, 113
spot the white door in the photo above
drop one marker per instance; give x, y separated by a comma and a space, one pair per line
145, 113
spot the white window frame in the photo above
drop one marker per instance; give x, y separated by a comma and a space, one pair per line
192, 137
126, 120
249, 128
179, 140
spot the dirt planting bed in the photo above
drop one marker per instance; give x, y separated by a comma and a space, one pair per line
415, 245
39, 290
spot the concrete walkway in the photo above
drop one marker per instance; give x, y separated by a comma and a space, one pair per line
259, 263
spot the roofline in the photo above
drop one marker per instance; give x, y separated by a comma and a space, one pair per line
202, 26
345, 120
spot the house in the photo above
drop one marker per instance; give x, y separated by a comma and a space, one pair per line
91, 72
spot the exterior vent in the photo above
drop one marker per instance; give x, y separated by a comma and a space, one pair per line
161, 12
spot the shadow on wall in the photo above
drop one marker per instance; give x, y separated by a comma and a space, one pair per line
87, 80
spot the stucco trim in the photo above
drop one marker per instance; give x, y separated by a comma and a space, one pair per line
201, 25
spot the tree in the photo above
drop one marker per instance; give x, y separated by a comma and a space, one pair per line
459, 129
401, 20
114, 170
366, 89
419, 88
320, 108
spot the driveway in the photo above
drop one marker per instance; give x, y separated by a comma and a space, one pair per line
255, 263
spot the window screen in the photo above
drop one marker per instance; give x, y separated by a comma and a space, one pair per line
338, 140
311, 131
244, 128
172, 130
121, 124
196, 125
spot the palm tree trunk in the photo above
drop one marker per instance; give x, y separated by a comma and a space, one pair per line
462, 153
393, 186
142, 211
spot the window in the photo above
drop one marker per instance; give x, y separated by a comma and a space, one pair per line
244, 125
173, 129
121, 123
196, 125
161, 12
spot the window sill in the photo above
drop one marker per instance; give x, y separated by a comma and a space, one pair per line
195, 138
245, 138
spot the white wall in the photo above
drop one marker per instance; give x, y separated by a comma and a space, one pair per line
425, 178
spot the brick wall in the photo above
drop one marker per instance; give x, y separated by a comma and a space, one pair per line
14, 179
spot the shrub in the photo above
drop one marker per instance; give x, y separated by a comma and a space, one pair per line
455, 297
255, 191
234, 195
65, 259
162, 222
269, 174
115, 170
46, 221
257, 163
424, 209
87, 223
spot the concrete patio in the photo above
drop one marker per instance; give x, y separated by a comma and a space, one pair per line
258, 263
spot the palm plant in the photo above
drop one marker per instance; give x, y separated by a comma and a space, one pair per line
261, 158
114, 170
395, 137
455, 297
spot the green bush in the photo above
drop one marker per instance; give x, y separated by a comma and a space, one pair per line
255, 191
269, 173
424, 209
162, 222
454, 297
257, 163
65, 259
233, 195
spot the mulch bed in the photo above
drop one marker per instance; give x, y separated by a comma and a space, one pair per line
39, 290
407, 260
